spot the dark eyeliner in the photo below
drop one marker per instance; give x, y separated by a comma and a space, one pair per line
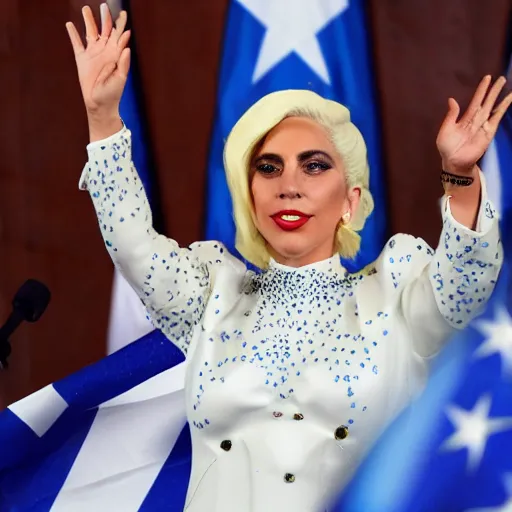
319, 166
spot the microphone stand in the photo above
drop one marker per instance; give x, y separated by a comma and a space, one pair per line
13, 322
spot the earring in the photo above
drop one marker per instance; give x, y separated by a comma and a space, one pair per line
345, 217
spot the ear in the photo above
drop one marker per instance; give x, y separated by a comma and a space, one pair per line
353, 198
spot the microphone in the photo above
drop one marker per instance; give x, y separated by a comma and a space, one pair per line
28, 305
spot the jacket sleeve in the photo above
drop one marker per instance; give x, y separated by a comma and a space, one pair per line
443, 290
173, 282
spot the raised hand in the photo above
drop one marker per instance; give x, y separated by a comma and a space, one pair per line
102, 64
463, 142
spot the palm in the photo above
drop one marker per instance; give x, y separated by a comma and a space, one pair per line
103, 65
463, 142
90, 64
462, 145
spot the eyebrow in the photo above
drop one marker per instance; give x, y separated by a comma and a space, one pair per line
305, 155
270, 157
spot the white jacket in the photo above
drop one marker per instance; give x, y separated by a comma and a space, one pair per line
291, 373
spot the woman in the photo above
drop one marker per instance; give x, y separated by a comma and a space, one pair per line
292, 371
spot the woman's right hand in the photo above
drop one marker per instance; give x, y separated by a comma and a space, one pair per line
103, 66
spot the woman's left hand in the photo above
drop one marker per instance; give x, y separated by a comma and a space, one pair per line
462, 143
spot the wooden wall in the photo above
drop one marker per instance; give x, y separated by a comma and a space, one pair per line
425, 50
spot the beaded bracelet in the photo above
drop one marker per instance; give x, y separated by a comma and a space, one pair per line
454, 179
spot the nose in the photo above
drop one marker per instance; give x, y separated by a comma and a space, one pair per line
288, 187
290, 195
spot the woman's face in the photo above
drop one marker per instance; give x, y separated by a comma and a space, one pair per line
299, 192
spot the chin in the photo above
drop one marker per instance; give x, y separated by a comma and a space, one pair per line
297, 248
290, 253
292, 249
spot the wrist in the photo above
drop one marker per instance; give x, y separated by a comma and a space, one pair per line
466, 171
458, 180
103, 125
467, 188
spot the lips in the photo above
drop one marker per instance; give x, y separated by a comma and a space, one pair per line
289, 220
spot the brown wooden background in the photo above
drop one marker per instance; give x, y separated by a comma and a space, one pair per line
425, 50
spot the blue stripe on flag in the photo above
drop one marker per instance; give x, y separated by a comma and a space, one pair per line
33, 483
169, 491
111, 377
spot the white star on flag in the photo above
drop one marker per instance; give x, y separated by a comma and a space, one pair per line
473, 429
292, 26
505, 507
498, 334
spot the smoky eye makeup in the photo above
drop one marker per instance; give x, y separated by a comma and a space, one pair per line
316, 166
315, 161
267, 163
316, 154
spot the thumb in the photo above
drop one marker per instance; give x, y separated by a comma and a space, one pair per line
453, 112
123, 64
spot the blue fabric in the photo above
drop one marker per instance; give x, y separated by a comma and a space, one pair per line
174, 476
33, 469
44, 463
344, 43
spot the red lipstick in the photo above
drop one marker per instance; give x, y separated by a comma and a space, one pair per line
289, 220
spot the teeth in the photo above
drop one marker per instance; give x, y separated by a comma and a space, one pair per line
290, 217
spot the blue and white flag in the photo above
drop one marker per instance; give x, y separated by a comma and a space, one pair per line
320, 45
128, 320
108, 438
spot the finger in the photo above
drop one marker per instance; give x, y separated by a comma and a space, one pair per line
121, 24
476, 102
123, 65
452, 114
498, 114
106, 72
106, 21
74, 37
91, 30
492, 97
123, 40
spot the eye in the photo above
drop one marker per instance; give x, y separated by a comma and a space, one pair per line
266, 168
317, 166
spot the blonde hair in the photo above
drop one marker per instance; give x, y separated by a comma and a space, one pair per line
250, 130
